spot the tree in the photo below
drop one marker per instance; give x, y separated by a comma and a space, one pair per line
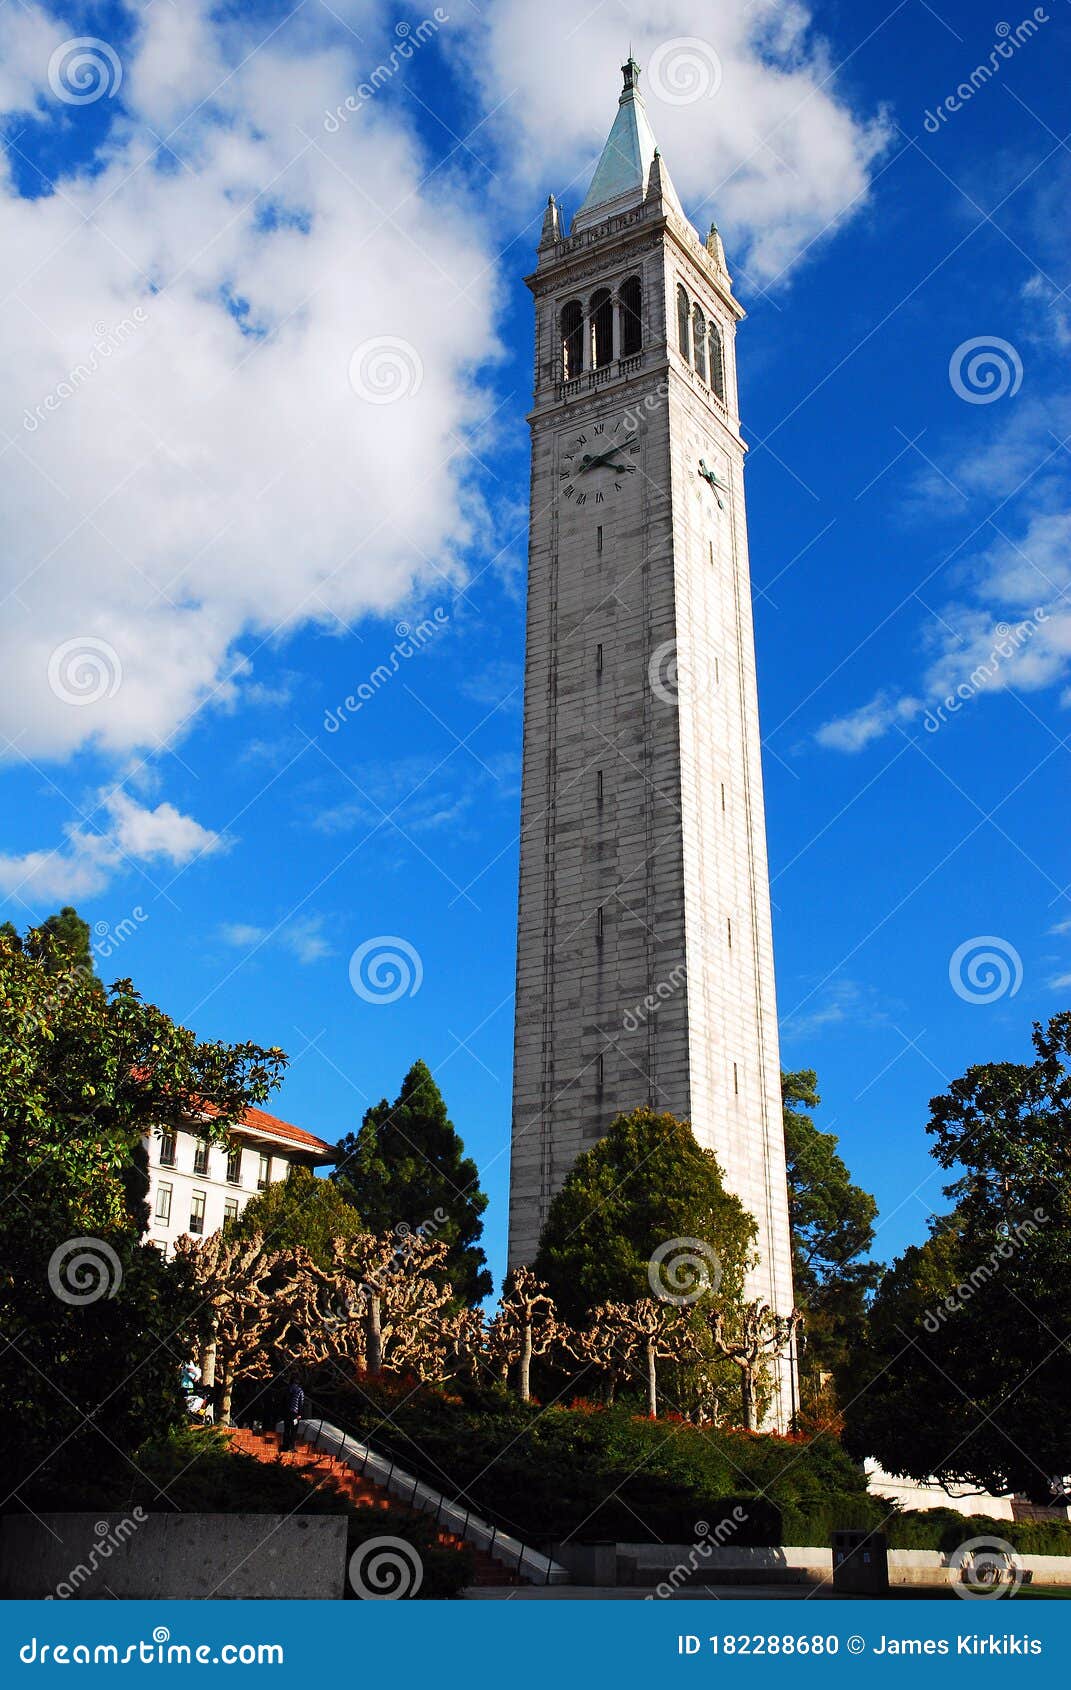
60, 940
391, 1303
406, 1170
751, 1335
525, 1326
89, 1315
299, 1212
257, 1309
632, 1338
969, 1335
832, 1223
646, 1186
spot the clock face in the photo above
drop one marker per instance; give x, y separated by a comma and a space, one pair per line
708, 470
597, 463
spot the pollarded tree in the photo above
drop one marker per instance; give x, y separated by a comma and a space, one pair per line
464, 1334
646, 1194
259, 1308
751, 1336
407, 1167
632, 1338
525, 1326
391, 1303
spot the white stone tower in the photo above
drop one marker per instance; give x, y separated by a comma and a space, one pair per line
645, 959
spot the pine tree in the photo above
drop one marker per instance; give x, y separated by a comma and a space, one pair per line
406, 1171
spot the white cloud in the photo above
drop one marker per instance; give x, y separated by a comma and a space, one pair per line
303, 937
774, 153
866, 723
189, 468
129, 835
1010, 626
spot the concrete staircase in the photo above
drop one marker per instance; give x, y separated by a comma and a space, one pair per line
322, 1468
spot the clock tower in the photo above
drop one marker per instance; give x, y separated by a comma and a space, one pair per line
645, 958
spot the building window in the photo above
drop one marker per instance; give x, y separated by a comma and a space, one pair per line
684, 318
200, 1157
598, 923
163, 1204
599, 1071
263, 1173
602, 328
197, 1212
230, 1209
717, 362
598, 786
699, 338
598, 540
572, 339
736, 1080
631, 317
167, 1150
598, 659
729, 929
234, 1165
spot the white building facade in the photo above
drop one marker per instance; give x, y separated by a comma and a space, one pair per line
645, 957
194, 1186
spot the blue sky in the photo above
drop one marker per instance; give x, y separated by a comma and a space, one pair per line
243, 536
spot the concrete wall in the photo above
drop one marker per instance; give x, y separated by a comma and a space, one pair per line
693, 1564
97, 1557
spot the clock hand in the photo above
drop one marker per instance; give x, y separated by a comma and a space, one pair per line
604, 460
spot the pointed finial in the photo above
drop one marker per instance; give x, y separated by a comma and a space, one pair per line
551, 231
716, 248
630, 70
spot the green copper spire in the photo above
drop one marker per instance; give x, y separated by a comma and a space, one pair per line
623, 172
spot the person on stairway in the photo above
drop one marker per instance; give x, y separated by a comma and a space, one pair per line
295, 1406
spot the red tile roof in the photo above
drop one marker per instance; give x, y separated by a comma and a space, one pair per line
259, 1121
